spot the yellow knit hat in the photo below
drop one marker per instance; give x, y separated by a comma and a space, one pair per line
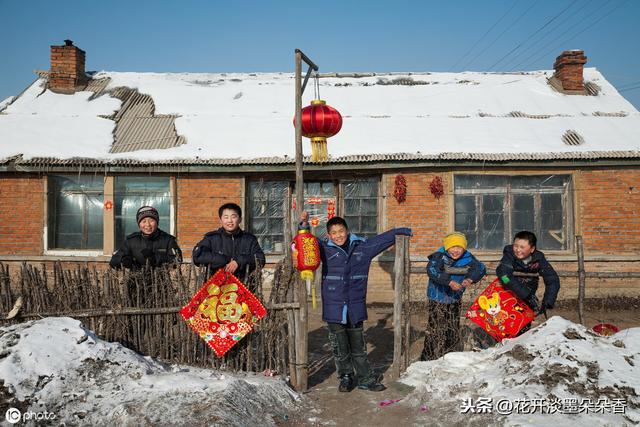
455, 239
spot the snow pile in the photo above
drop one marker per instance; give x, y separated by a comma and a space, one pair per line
571, 374
58, 366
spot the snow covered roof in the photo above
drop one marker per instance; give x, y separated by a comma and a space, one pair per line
232, 119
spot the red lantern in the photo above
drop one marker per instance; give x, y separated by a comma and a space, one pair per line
319, 122
306, 253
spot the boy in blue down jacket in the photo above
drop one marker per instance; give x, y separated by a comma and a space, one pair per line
345, 268
451, 269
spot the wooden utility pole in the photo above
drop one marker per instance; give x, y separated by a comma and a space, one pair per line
302, 355
400, 273
581, 279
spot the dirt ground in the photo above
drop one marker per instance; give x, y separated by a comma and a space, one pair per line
326, 406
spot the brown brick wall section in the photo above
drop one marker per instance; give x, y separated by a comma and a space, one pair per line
199, 198
21, 215
609, 205
422, 212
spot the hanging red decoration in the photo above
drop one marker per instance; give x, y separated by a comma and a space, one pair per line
436, 187
319, 122
222, 312
400, 189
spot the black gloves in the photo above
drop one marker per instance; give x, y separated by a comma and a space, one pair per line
149, 256
532, 302
542, 309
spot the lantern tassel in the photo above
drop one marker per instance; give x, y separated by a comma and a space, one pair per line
319, 150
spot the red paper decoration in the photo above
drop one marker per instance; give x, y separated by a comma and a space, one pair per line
222, 312
331, 208
499, 312
400, 189
436, 187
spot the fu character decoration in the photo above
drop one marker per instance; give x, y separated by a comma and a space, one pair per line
223, 312
319, 122
306, 257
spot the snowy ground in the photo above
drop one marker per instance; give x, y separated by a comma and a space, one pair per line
557, 374
56, 366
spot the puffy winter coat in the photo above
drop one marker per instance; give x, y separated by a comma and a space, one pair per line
218, 248
439, 276
158, 248
526, 287
345, 275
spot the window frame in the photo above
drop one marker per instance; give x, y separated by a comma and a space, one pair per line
567, 200
112, 225
108, 223
338, 184
45, 234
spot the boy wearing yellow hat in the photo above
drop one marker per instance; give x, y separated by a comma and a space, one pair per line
451, 270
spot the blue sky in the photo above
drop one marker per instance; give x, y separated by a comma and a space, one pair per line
341, 35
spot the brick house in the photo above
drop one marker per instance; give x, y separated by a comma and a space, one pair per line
489, 154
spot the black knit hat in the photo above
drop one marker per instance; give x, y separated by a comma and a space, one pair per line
147, 212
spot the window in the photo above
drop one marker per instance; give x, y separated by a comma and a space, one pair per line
75, 214
267, 208
133, 192
320, 202
361, 206
490, 209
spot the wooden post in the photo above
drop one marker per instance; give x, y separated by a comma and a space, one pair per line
302, 323
398, 269
407, 303
581, 279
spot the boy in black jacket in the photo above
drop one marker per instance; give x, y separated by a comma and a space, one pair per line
523, 257
229, 247
149, 245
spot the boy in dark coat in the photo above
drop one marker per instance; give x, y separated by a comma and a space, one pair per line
346, 259
523, 257
229, 247
451, 269
149, 245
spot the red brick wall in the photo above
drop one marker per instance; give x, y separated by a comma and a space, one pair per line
609, 209
426, 215
199, 197
21, 214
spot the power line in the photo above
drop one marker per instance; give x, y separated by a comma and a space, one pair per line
499, 36
628, 84
560, 24
629, 89
483, 36
597, 9
589, 26
536, 32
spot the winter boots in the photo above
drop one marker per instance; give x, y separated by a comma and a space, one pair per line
346, 383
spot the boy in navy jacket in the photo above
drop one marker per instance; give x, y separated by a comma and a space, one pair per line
523, 257
345, 268
451, 269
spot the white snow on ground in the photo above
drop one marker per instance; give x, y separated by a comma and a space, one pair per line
241, 115
556, 362
57, 365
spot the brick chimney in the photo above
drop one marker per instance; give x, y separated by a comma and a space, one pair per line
568, 70
67, 67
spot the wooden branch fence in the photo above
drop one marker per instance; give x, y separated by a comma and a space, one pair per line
140, 310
